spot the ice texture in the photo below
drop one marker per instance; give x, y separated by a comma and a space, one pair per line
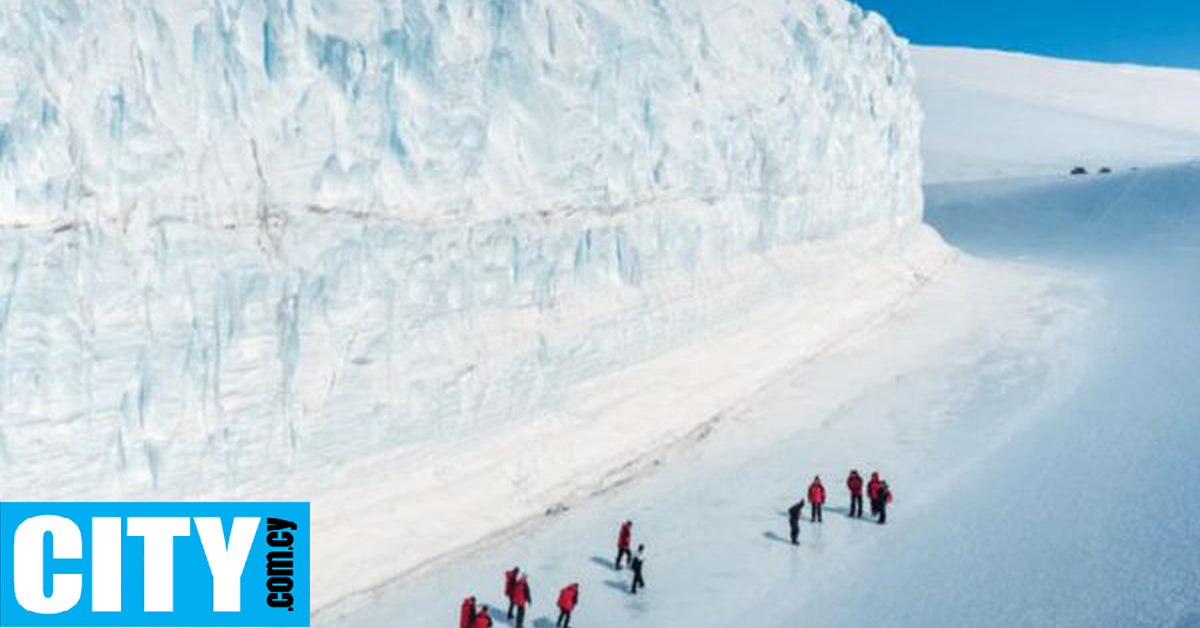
238, 237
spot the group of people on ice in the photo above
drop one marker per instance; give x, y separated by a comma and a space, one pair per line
877, 490
519, 594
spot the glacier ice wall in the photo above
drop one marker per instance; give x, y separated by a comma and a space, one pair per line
241, 236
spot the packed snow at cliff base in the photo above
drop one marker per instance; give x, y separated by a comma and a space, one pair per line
482, 281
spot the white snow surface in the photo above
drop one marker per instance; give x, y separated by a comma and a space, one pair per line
1033, 409
996, 114
374, 255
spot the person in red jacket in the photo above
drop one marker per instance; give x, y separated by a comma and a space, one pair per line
816, 497
568, 598
482, 620
624, 539
466, 616
510, 583
521, 597
855, 484
873, 492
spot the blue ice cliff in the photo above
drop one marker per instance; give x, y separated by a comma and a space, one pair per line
238, 236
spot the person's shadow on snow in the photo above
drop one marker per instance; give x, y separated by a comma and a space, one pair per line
845, 512
771, 535
543, 622
498, 616
635, 602
619, 585
603, 562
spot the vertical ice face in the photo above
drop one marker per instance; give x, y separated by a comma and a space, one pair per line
238, 236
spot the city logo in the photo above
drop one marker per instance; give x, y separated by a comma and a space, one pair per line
179, 564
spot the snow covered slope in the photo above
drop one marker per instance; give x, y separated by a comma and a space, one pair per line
246, 238
995, 114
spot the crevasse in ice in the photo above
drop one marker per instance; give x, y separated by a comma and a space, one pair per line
237, 236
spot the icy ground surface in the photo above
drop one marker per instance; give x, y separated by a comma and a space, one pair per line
1035, 411
1090, 518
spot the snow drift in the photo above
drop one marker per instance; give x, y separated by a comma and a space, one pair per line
994, 114
242, 238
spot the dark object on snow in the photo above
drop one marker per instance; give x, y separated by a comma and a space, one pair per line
636, 564
794, 520
1105, 170
1077, 170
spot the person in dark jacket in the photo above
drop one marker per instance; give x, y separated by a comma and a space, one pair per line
522, 597
510, 584
624, 538
854, 484
568, 599
794, 514
466, 616
816, 499
885, 498
638, 563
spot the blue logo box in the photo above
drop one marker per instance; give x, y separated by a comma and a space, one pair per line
185, 564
